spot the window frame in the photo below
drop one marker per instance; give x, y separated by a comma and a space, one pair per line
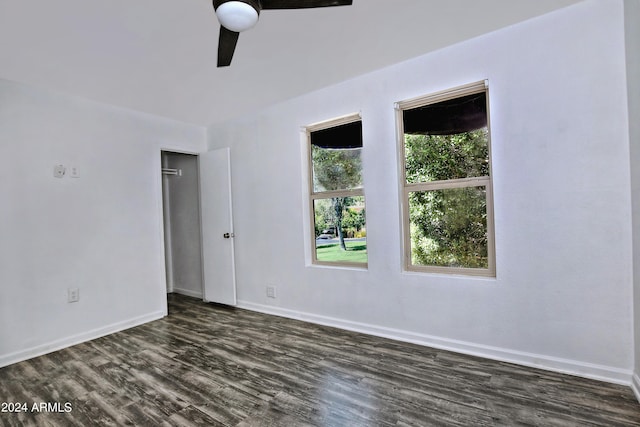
407, 188
320, 195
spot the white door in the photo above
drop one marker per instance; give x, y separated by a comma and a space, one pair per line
218, 263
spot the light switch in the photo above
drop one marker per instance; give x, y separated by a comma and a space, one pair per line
73, 172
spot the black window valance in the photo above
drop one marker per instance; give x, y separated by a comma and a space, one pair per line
344, 136
449, 117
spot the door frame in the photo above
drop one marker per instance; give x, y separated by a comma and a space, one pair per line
160, 209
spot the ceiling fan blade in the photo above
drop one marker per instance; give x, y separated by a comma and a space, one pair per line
302, 4
226, 46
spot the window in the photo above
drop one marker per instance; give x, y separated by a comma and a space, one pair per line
336, 194
447, 203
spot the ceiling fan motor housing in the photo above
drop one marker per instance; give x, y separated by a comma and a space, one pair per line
253, 3
237, 15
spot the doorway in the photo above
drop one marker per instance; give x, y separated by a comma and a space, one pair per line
182, 223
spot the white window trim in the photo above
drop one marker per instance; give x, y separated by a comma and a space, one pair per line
318, 195
406, 188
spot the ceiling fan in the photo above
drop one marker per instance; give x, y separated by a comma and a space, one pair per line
236, 16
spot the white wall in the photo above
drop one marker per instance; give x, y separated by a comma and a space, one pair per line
101, 232
632, 31
562, 298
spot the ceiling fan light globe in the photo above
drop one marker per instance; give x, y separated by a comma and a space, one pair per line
237, 16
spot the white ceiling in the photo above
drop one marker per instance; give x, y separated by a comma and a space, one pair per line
159, 56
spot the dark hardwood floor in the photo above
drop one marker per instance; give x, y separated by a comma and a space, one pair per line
216, 366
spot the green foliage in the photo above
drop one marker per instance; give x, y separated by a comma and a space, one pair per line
353, 221
324, 215
336, 169
442, 157
448, 226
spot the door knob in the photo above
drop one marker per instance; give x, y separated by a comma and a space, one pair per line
227, 235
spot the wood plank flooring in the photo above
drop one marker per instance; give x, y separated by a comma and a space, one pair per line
216, 366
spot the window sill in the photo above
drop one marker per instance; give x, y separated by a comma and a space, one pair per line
342, 266
484, 277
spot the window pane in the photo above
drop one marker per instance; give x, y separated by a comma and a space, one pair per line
449, 227
442, 157
340, 229
336, 168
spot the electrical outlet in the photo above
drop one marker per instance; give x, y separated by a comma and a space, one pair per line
73, 295
271, 291
59, 171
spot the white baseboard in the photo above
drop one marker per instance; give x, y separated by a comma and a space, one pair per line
187, 292
19, 356
565, 366
635, 385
